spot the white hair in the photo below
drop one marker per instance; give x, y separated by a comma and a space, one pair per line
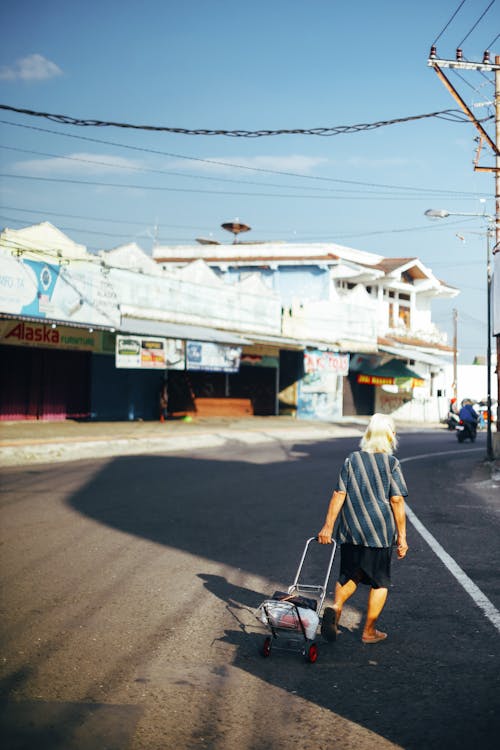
380, 435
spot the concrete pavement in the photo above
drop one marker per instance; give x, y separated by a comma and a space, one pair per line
30, 442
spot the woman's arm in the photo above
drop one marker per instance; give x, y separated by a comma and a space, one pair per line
398, 509
336, 503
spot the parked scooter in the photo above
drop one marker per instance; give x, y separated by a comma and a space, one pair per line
452, 420
466, 431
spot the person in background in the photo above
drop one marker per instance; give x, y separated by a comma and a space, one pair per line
468, 415
369, 501
163, 403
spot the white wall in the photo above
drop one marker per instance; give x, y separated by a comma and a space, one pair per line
472, 382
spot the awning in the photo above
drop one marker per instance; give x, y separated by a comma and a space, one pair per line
282, 342
357, 347
55, 321
416, 355
186, 332
394, 372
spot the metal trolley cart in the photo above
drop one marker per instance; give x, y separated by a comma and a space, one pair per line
293, 616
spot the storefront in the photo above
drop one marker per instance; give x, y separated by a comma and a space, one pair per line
383, 388
46, 369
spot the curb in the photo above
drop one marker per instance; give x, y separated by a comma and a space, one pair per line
74, 450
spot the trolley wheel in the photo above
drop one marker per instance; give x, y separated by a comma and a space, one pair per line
311, 653
266, 647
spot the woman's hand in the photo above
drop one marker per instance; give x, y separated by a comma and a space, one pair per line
325, 535
402, 548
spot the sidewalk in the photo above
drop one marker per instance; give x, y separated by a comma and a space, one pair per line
23, 443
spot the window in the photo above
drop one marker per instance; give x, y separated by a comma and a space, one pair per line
404, 316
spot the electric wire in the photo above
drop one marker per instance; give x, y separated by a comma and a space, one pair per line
490, 45
233, 165
477, 22
447, 24
317, 131
367, 195
196, 176
170, 173
94, 218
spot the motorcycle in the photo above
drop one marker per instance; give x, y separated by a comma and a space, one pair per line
452, 420
466, 431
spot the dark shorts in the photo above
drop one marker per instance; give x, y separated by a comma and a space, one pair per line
368, 565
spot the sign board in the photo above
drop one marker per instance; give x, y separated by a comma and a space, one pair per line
175, 352
320, 390
388, 380
205, 355
47, 336
333, 362
141, 352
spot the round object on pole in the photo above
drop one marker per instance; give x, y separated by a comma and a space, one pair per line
235, 227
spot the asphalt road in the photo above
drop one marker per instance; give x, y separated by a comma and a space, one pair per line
129, 586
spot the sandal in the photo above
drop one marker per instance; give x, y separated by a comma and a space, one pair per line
375, 638
329, 624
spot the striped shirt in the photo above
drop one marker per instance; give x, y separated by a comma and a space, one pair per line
369, 481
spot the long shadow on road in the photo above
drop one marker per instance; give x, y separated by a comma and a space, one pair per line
425, 687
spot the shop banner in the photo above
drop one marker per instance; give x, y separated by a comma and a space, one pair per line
333, 362
140, 353
320, 390
175, 352
204, 355
30, 333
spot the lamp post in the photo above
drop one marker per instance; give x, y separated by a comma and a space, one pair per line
436, 213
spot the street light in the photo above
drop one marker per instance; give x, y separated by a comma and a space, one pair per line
441, 213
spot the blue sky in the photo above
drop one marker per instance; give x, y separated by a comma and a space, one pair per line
251, 66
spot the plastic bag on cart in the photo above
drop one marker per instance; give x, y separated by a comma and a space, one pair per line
285, 615
298, 599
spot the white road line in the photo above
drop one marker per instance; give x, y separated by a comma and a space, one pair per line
482, 601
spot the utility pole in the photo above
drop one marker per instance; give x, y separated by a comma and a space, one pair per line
486, 66
455, 355
496, 247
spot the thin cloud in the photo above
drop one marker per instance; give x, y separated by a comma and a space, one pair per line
359, 161
291, 163
77, 164
31, 68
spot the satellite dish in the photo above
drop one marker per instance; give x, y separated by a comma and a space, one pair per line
206, 241
236, 228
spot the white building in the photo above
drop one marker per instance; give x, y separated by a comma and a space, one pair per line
375, 308
333, 330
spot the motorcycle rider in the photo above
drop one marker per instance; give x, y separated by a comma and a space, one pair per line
468, 416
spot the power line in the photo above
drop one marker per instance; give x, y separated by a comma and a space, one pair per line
246, 167
94, 218
477, 23
172, 173
447, 24
490, 45
452, 114
159, 188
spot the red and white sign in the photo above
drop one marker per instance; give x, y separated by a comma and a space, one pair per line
333, 362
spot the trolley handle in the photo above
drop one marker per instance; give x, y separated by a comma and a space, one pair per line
330, 563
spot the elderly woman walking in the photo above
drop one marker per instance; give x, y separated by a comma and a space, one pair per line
369, 498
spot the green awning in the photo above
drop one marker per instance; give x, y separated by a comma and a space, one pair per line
393, 372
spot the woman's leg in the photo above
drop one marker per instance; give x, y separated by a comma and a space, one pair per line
342, 594
331, 615
376, 601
